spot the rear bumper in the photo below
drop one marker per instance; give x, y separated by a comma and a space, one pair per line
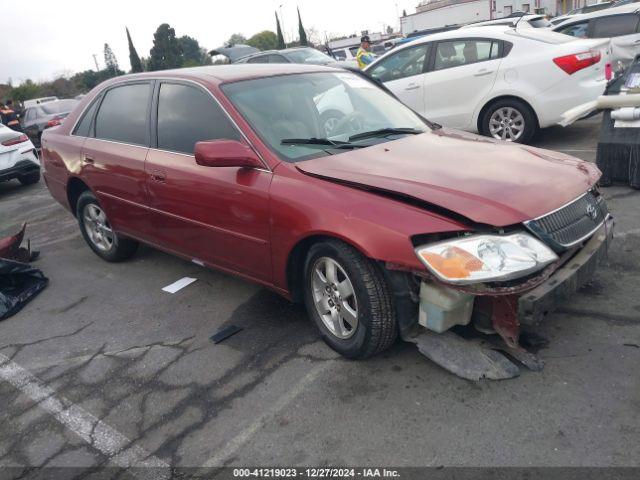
23, 167
534, 305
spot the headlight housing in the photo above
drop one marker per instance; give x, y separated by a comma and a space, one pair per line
485, 258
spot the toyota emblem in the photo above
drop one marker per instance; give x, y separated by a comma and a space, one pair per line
592, 212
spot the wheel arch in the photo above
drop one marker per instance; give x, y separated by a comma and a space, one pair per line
488, 104
297, 256
75, 188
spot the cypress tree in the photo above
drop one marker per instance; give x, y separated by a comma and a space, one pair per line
303, 35
281, 43
134, 59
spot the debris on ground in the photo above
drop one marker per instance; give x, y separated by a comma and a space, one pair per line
10, 247
225, 333
179, 285
19, 284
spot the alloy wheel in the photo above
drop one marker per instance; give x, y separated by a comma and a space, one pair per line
97, 227
334, 298
506, 123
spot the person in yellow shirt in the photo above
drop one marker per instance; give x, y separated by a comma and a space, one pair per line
364, 55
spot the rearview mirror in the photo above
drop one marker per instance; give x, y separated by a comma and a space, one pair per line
226, 153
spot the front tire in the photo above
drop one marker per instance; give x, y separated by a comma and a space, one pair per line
97, 232
510, 120
349, 300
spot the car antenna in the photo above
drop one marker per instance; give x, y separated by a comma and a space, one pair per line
515, 25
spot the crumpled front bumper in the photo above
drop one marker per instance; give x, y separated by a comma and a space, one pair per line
534, 305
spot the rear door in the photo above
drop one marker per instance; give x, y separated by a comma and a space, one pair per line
462, 74
404, 74
114, 154
624, 31
219, 216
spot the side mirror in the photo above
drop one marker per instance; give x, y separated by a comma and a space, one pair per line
226, 153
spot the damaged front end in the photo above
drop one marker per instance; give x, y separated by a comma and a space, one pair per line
498, 283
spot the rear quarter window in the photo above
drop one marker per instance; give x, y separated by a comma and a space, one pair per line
123, 116
83, 128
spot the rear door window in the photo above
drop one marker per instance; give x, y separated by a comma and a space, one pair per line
464, 52
259, 59
578, 30
186, 115
614, 26
122, 116
275, 58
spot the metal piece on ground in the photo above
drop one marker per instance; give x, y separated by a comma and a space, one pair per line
225, 333
10, 247
463, 358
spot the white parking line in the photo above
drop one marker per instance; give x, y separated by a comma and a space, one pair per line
91, 429
245, 435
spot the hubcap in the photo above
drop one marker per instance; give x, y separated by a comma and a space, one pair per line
97, 227
506, 123
330, 125
334, 298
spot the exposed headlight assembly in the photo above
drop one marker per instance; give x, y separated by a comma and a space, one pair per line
485, 258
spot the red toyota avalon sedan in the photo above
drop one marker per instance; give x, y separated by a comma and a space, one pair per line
322, 186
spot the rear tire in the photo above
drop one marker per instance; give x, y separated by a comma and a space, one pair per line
97, 232
349, 300
511, 120
30, 178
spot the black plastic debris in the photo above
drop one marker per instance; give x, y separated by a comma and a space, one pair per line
225, 333
618, 155
19, 284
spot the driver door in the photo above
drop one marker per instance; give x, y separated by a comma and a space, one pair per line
404, 74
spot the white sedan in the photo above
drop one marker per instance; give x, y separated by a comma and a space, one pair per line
18, 158
499, 81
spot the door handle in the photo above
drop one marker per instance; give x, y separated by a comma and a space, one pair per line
483, 73
158, 176
412, 86
88, 160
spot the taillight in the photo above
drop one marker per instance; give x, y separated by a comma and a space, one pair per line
578, 61
15, 140
54, 122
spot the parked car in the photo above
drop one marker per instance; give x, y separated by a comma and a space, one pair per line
227, 166
621, 24
521, 21
18, 157
305, 55
499, 81
38, 101
37, 118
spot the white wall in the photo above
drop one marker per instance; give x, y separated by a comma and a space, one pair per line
448, 15
550, 6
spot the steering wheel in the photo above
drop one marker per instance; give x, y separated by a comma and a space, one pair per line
350, 123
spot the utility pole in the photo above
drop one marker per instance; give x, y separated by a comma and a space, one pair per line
95, 59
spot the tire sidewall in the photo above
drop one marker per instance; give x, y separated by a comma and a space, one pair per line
531, 124
354, 346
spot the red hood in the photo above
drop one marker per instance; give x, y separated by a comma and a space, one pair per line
485, 181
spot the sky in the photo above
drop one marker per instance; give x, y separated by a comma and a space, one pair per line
41, 39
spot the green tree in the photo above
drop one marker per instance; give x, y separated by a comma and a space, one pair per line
166, 51
237, 39
281, 43
25, 91
134, 59
303, 35
265, 40
192, 54
110, 60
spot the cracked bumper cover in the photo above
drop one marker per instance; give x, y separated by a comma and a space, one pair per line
534, 305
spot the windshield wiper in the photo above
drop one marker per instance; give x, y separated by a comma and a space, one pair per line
320, 142
383, 132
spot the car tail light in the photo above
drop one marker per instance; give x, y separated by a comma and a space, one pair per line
54, 122
578, 61
15, 140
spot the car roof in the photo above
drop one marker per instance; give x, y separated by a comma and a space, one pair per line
231, 73
630, 8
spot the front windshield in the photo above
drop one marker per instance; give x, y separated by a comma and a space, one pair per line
60, 106
308, 55
331, 106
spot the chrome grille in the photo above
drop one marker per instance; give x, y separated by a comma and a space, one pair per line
572, 223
